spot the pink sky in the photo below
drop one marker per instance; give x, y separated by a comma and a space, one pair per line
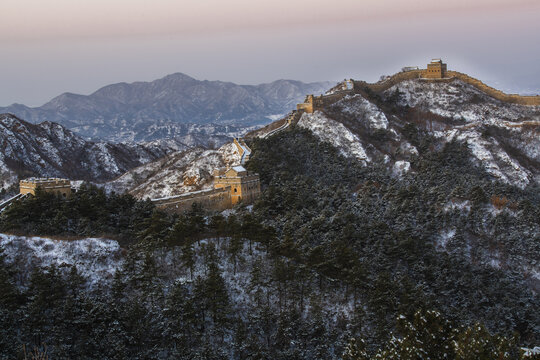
77, 45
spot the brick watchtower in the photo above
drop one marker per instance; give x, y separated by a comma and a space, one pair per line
435, 70
243, 185
54, 185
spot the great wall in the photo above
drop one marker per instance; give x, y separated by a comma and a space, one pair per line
235, 185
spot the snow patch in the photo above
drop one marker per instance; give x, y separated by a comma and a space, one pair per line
444, 237
364, 110
335, 133
401, 167
96, 259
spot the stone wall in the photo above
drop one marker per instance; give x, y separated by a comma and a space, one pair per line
307, 106
214, 199
497, 94
314, 103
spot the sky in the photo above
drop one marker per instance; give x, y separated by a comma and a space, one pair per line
56, 46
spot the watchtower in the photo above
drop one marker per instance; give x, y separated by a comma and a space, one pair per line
54, 185
435, 70
244, 186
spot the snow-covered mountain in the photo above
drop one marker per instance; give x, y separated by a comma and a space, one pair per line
504, 138
176, 173
174, 106
50, 150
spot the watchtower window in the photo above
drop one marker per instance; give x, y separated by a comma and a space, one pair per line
235, 190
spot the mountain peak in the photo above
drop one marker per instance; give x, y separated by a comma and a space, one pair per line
177, 76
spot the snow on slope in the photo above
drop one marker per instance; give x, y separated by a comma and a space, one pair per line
494, 131
98, 260
365, 111
177, 173
335, 133
95, 259
495, 160
504, 138
50, 150
459, 100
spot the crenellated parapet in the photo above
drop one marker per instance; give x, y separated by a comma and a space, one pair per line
313, 103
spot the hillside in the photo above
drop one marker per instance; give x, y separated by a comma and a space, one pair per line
333, 253
504, 138
50, 150
171, 107
176, 173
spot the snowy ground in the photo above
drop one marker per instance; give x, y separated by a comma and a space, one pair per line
335, 133
460, 100
367, 112
96, 259
485, 247
504, 138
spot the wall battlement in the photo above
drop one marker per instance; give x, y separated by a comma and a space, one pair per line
497, 94
313, 103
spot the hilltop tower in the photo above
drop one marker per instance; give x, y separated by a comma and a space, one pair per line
436, 69
244, 186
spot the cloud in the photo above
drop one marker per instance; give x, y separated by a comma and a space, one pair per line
61, 19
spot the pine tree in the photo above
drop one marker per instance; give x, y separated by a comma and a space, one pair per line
234, 248
218, 225
218, 298
356, 350
182, 322
188, 258
211, 291
8, 295
427, 336
154, 230
477, 343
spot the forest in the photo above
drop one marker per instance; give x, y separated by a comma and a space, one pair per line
336, 260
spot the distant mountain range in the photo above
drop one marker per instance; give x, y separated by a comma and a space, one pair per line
171, 107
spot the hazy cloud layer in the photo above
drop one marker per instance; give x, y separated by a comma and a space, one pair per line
66, 45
